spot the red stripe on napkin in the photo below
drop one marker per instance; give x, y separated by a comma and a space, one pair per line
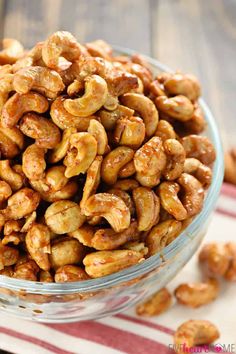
229, 190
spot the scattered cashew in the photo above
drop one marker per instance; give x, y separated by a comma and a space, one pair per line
9, 175
165, 130
8, 256
126, 184
196, 124
109, 119
125, 197
26, 270
59, 152
99, 48
128, 170
156, 304
186, 85
83, 234
11, 142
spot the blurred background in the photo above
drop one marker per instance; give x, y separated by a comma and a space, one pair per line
197, 36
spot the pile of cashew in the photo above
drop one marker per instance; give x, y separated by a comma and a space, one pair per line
101, 164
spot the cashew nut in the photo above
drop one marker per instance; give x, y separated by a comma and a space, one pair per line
50, 195
200, 148
5, 88
33, 162
202, 172
126, 184
9, 175
175, 154
11, 51
65, 251
8, 256
97, 130
83, 234
26, 269
59, 152
197, 123
128, 170
45, 276
11, 141
125, 197
130, 132
193, 194
165, 130
99, 48
109, 119
186, 85
68, 273
178, 107
168, 192
215, 258
156, 304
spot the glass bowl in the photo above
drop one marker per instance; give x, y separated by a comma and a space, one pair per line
93, 299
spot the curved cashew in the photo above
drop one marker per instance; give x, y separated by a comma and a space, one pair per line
168, 192
5, 88
111, 207
130, 132
66, 251
97, 130
36, 78
45, 276
109, 119
202, 172
165, 130
175, 159
197, 294
11, 51
126, 184
83, 234
46, 133
99, 48
5, 69
197, 123
65, 120
156, 89
26, 269
186, 85
59, 152
162, 235
68, 273
60, 44
8, 256
125, 197
29, 221
38, 244
147, 180
92, 180
200, 148
147, 208
11, 141
55, 178
33, 57
18, 104
101, 263
143, 73
75, 87
114, 161
194, 194
81, 153
33, 162
128, 170
193, 333
145, 107
93, 99
178, 107
50, 195
136, 246
215, 257
156, 304
5, 191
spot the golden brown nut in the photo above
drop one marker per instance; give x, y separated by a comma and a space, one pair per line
11, 51
66, 251
50, 195
33, 162
230, 274
200, 171
193, 194
5, 191
126, 198
109, 119
143, 73
156, 89
83, 234
126, 184
200, 148
9, 175
99, 48
197, 123
180, 84
165, 130
156, 304
68, 273
101, 263
129, 132
175, 154
8, 256
215, 258
178, 107
59, 152
193, 333
26, 269
136, 246
128, 170
97, 130
64, 216
45, 276
5, 88
55, 178
11, 142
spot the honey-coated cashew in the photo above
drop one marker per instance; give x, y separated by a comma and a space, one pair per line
178, 107
11, 141
8, 256
83, 234
215, 259
165, 130
125, 197
69, 273
111, 207
128, 170
5, 88
168, 193
59, 152
33, 162
175, 154
9, 175
130, 132
186, 85
200, 148
200, 171
158, 303
11, 51
109, 119
97, 130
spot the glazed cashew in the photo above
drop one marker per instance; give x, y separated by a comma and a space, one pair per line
128, 170
126, 184
45, 276
64, 216
186, 85
143, 73
33, 162
33, 57
147, 180
101, 263
201, 172
108, 239
75, 87
156, 89
65, 120
5, 88
65, 251
175, 154
230, 274
11, 141
26, 269
129, 132
99, 48
59, 152
93, 99
8, 256
21, 204
38, 244
168, 193
162, 235
46, 133
50, 195
125, 197
136, 246
165, 130
178, 107
5, 191
147, 208
197, 123
68, 273
60, 44
55, 178
215, 258
5, 69
9, 175
156, 304
18, 104
92, 180
193, 194
29, 221
193, 333
81, 153
36, 78
97, 130
111, 207
114, 161
197, 294
11, 51
200, 148
146, 109
109, 119
83, 234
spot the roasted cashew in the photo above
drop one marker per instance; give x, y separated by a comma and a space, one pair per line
11, 141
147, 208
11, 51
147, 180
168, 192
175, 154
193, 333
125, 197
50, 195
83, 234
197, 123
111, 207
59, 152
26, 269
38, 244
8, 256
141, 72
46, 133
33, 57
65, 120
200, 148
18, 105
186, 85
68, 273
29, 221
81, 153
55, 178
5, 88
101, 263
60, 44
202, 172
97, 130
162, 235
136, 246
109, 119
128, 170
5, 191
145, 107
45, 276
126, 184
33, 162
215, 258
93, 99
92, 180
165, 130
40, 79
156, 89
129, 132
178, 107
99, 48
156, 304
193, 194
197, 294
230, 274
75, 87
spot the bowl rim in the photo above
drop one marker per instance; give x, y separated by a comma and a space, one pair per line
156, 260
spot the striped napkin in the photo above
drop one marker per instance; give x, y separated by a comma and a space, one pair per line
127, 333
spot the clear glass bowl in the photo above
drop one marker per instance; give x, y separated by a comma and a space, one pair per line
105, 296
